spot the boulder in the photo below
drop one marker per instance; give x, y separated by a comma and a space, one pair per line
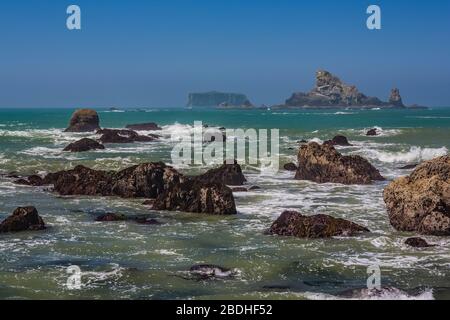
292, 223
33, 180
83, 145
290, 166
417, 242
23, 219
322, 164
229, 174
372, 132
339, 141
151, 126
84, 120
195, 195
420, 202
123, 136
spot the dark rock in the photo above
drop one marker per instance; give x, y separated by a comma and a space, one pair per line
84, 144
292, 223
148, 202
330, 91
211, 136
122, 136
338, 141
147, 221
33, 180
322, 164
417, 243
254, 188
151, 126
420, 202
409, 166
302, 141
23, 219
229, 174
84, 120
290, 166
372, 132
108, 217
209, 271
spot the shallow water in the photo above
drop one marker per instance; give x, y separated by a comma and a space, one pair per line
122, 260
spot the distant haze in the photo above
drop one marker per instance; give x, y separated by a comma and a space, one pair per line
154, 53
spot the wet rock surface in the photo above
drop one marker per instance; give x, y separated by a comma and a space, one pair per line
83, 145
22, 219
84, 120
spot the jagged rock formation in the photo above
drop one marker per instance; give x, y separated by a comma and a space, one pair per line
229, 174
169, 188
322, 164
84, 120
23, 219
218, 99
330, 91
292, 223
421, 201
83, 145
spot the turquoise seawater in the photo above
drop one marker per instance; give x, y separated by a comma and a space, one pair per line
124, 260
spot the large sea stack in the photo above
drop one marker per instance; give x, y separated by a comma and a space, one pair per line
420, 202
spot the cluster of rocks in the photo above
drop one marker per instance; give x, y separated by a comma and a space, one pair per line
330, 91
87, 120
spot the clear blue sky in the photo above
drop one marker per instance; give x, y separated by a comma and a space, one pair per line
154, 52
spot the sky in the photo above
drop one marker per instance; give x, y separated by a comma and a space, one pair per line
152, 53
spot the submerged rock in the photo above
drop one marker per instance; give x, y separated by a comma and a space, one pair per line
123, 136
151, 126
33, 180
339, 141
292, 223
108, 217
409, 166
229, 174
83, 145
417, 242
23, 219
322, 164
84, 120
421, 201
290, 167
209, 271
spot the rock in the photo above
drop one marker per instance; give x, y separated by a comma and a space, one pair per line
122, 136
229, 174
215, 99
195, 195
239, 189
323, 164
290, 166
395, 99
23, 219
254, 188
372, 132
302, 141
84, 120
330, 91
170, 189
292, 223
84, 144
151, 126
409, 166
108, 217
33, 180
338, 141
420, 202
417, 243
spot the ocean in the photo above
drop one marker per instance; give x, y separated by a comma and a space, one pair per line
125, 260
